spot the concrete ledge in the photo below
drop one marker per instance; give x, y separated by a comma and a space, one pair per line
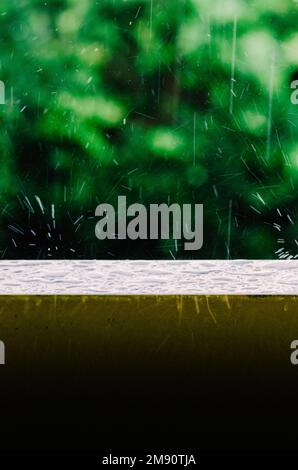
149, 277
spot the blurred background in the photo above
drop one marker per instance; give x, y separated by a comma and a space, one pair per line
184, 101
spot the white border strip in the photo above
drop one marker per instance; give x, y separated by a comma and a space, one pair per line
149, 277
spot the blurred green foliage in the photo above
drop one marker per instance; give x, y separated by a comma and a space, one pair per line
162, 101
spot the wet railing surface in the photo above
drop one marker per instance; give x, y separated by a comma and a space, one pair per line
149, 277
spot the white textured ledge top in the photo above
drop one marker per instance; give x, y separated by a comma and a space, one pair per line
149, 277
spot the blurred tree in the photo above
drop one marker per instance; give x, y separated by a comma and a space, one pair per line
162, 101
